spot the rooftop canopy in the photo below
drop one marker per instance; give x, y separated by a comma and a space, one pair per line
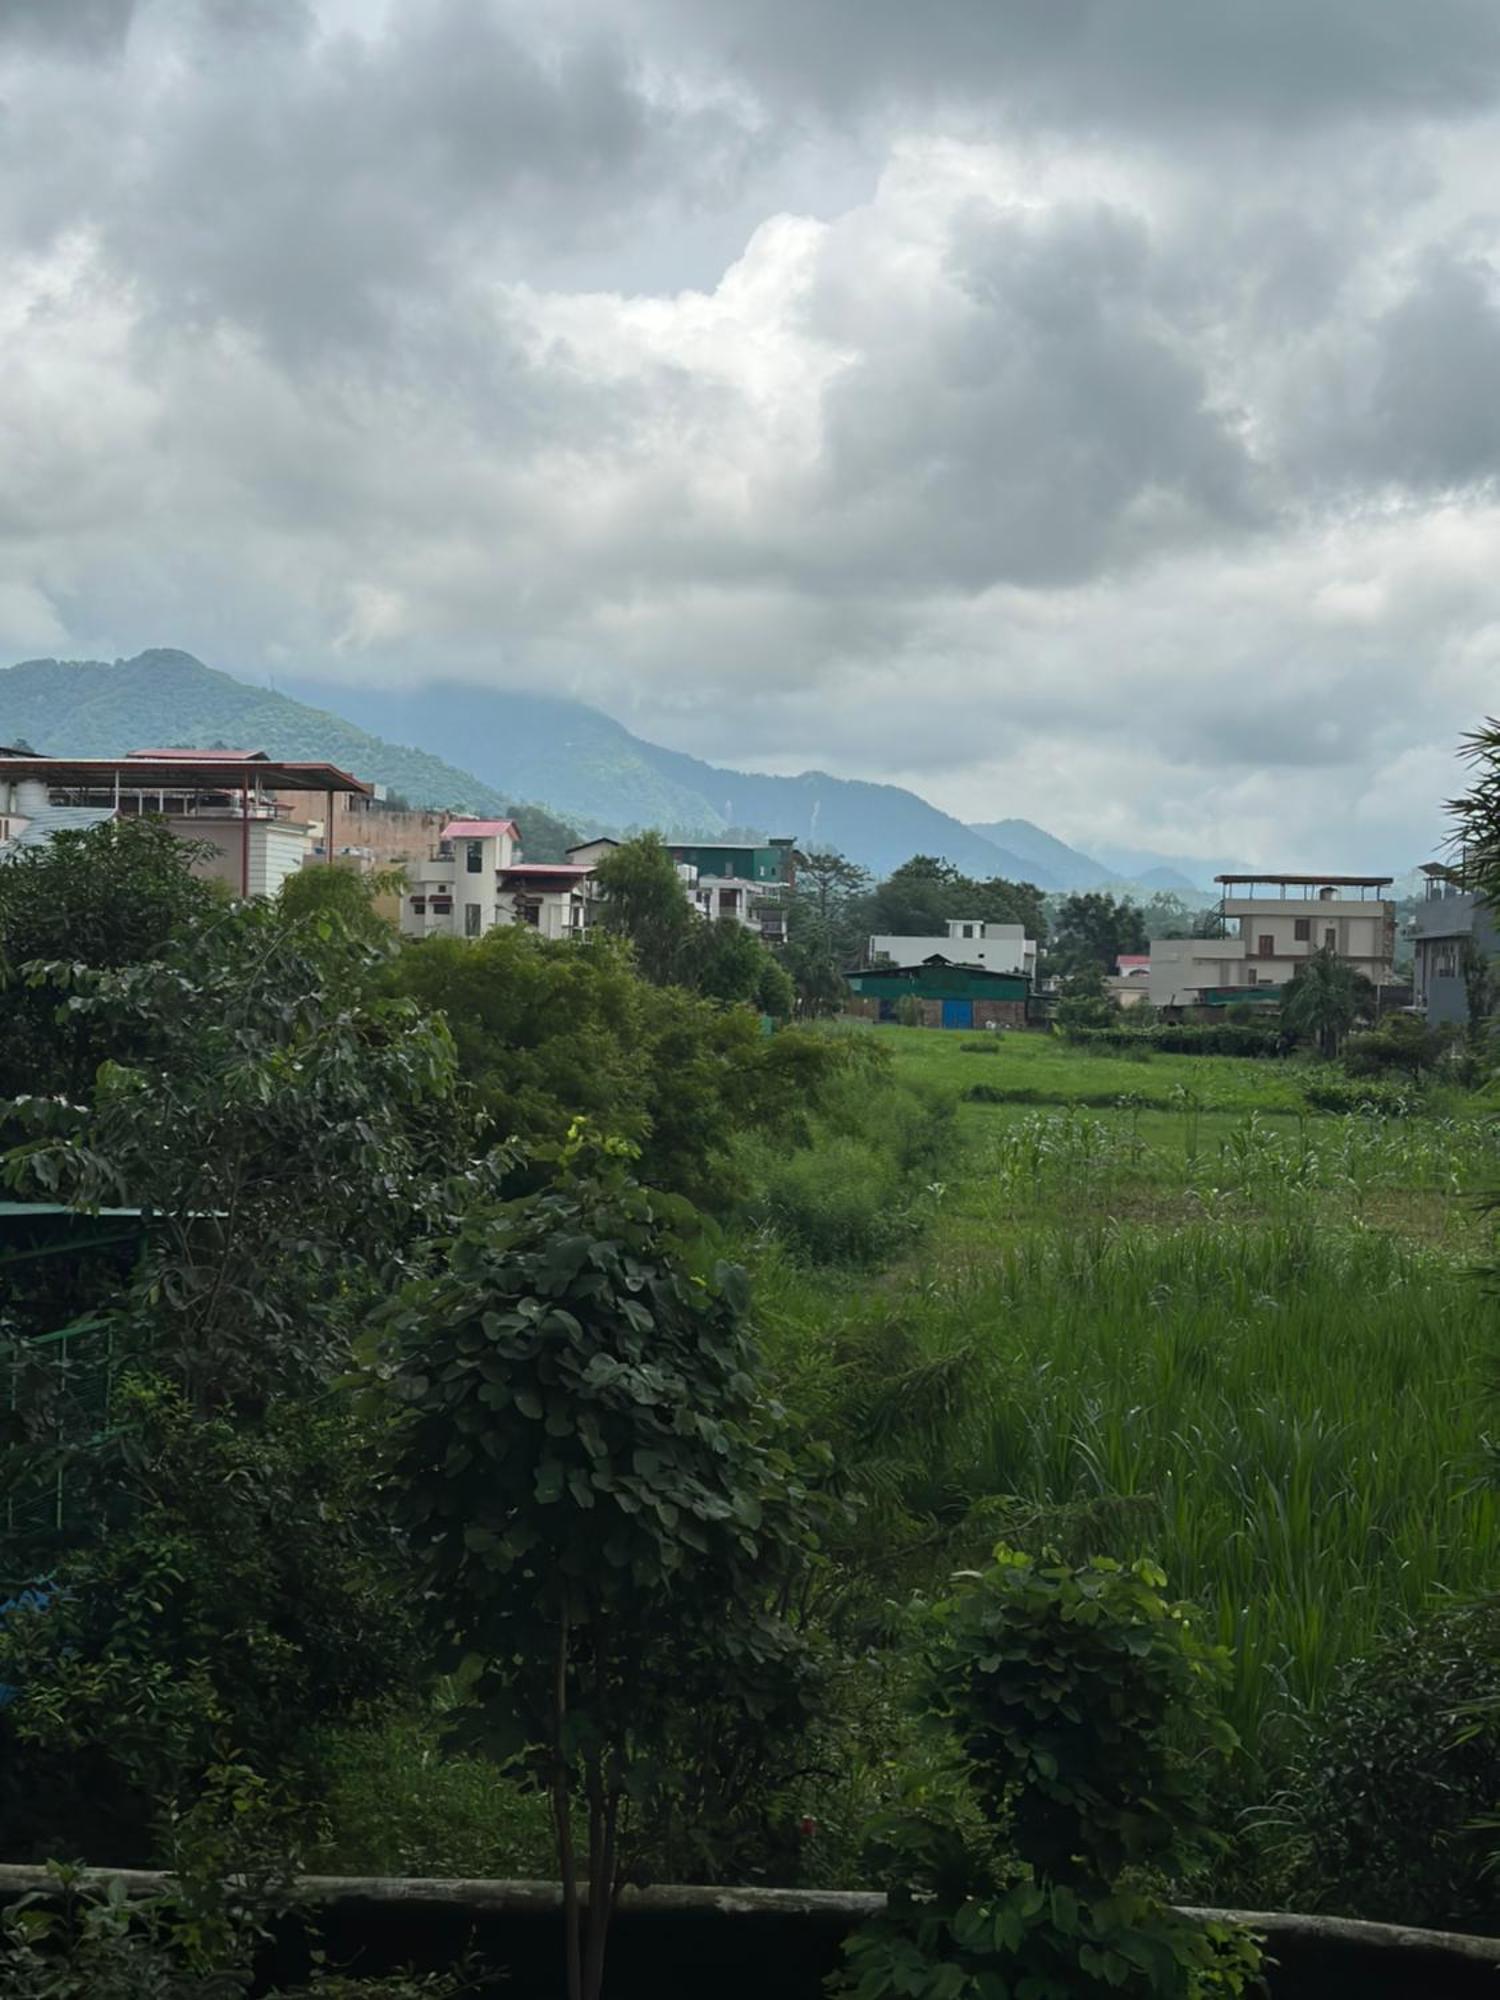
176, 772
479, 829
1291, 881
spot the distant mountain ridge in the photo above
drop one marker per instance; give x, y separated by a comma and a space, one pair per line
582, 763
484, 750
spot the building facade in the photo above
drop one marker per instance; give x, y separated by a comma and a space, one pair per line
1450, 921
946, 995
968, 941
746, 881
1270, 925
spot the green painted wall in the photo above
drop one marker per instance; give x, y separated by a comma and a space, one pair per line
939, 983
753, 864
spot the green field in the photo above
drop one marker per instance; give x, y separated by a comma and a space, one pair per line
1162, 1307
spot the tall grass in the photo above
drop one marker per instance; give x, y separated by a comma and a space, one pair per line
1286, 1417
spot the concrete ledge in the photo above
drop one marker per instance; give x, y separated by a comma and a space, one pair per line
753, 1940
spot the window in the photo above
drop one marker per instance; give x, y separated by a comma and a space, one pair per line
1302, 930
475, 858
968, 930
1252, 977
472, 913
729, 899
1330, 939
1267, 945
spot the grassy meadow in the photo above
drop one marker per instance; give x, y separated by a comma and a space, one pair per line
1163, 1307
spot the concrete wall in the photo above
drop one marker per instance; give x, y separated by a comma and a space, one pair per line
987, 1013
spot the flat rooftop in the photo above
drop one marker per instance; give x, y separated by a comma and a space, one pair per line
211, 772
1294, 881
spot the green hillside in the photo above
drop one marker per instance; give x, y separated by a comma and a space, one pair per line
90, 708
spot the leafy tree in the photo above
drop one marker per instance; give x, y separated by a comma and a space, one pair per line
547, 1032
723, 961
642, 900
343, 896
112, 896
827, 882
215, 1579
599, 1508
544, 837
1095, 930
819, 985
920, 898
1324, 999
775, 993
1077, 1704
1083, 1001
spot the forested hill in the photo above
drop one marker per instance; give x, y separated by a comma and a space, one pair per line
585, 765
92, 708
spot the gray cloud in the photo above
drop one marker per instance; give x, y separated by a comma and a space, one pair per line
1078, 409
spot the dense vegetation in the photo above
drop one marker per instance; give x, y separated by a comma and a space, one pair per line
599, 1394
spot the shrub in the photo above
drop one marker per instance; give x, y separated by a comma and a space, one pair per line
1334, 1093
1401, 1045
1401, 1773
1079, 1708
985, 1048
909, 1011
1189, 1038
839, 1203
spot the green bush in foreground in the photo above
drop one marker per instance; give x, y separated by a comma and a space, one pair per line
1079, 1706
1391, 1799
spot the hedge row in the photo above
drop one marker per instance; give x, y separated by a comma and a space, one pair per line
1189, 1038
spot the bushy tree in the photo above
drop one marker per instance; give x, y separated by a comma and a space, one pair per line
1096, 930
920, 897
1078, 1707
601, 1510
642, 900
1324, 999
113, 896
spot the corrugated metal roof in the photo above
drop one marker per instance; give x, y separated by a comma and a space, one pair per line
48, 821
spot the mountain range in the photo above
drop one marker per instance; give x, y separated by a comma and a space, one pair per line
487, 750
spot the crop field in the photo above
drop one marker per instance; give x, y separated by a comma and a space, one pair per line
1177, 1312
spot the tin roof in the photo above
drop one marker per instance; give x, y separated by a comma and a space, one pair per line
211, 770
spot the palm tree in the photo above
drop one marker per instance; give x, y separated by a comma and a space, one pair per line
1325, 1000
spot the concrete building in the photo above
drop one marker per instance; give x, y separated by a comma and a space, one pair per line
246, 812
744, 880
947, 995
1270, 924
1449, 918
968, 941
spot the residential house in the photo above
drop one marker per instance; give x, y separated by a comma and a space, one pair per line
1449, 918
244, 812
969, 941
1130, 982
948, 995
1270, 924
748, 881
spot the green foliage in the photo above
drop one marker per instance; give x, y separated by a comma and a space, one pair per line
1186, 1038
342, 896
1401, 1043
548, 1032
775, 992
1331, 1092
725, 962
111, 897
1083, 1003
920, 897
642, 901
1080, 1706
1094, 929
1324, 999
598, 1506
1391, 1806
909, 1011
166, 1625
293, 1134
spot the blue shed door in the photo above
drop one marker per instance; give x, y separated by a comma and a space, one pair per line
958, 1013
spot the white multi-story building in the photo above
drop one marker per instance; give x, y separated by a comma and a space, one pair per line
968, 941
1270, 924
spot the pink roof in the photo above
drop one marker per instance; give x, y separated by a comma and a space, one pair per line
479, 829
1133, 961
547, 868
203, 756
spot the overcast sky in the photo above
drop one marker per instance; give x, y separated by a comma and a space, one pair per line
1071, 408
